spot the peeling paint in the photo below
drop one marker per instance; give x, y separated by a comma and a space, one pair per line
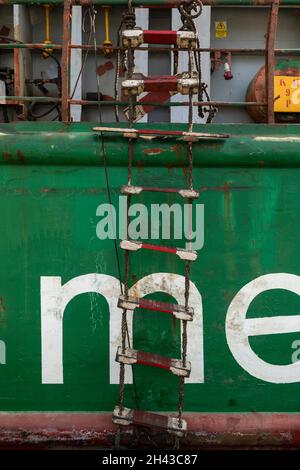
277, 139
2, 306
153, 151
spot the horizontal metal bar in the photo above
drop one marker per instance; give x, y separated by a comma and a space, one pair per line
146, 48
147, 3
197, 49
13, 45
48, 99
220, 104
41, 99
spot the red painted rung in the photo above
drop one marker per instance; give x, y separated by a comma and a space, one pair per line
157, 306
163, 422
133, 245
158, 189
141, 418
163, 249
183, 84
154, 360
130, 190
179, 311
133, 356
163, 83
160, 132
159, 37
136, 37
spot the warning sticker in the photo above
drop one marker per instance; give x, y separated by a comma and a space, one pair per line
286, 94
221, 29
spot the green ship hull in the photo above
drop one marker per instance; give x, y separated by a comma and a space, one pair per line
59, 285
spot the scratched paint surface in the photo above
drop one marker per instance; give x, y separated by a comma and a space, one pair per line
48, 228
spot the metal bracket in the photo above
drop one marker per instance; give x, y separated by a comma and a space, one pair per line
185, 86
187, 255
189, 193
186, 39
130, 245
133, 87
132, 37
131, 190
124, 418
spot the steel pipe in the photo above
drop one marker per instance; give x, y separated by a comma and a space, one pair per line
220, 104
41, 99
48, 99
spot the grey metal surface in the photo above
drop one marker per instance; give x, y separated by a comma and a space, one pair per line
246, 29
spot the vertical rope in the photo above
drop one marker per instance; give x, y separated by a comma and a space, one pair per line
129, 21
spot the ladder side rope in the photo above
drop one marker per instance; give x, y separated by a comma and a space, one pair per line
91, 12
129, 21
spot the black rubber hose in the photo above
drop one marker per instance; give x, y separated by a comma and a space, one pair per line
56, 106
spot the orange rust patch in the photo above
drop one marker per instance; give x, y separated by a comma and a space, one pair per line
225, 188
177, 149
2, 306
20, 156
7, 156
155, 151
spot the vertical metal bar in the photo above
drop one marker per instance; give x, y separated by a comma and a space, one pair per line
270, 60
21, 56
141, 57
76, 63
65, 61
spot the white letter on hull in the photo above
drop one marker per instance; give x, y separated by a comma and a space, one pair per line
238, 328
55, 298
2, 353
174, 285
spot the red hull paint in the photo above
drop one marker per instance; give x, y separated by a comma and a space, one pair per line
208, 430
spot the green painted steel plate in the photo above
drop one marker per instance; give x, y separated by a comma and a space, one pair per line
52, 182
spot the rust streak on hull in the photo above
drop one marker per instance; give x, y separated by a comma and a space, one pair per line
218, 429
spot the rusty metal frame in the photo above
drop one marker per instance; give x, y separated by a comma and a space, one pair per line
16, 100
270, 52
100, 47
270, 60
65, 61
33, 430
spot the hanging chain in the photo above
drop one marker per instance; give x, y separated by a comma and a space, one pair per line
189, 12
129, 22
186, 11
